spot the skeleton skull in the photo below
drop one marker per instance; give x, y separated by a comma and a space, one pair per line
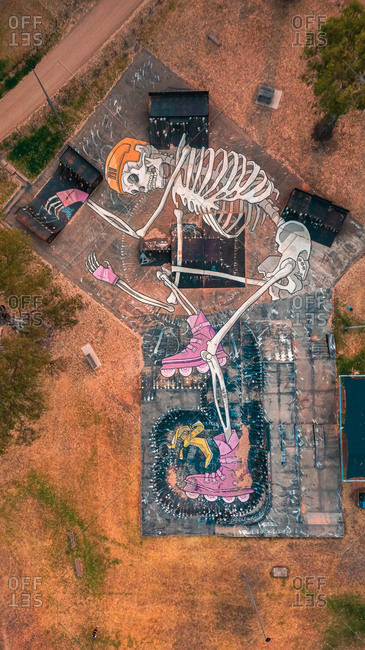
294, 244
146, 174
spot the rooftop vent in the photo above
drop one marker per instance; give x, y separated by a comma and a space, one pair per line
265, 95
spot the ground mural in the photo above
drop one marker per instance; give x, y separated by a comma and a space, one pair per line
210, 462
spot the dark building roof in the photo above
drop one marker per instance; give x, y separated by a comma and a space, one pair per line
78, 164
323, 218
354, 427
29, 219
175, 113
46, 215
180, 103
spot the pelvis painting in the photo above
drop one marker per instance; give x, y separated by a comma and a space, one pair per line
201, 243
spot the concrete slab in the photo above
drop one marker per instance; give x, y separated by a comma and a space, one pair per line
276, 389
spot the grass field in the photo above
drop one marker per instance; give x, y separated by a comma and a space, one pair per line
7, 187
32, 152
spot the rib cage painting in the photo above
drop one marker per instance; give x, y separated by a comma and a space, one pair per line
209, 439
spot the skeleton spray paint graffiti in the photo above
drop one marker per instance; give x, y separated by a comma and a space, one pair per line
230, 195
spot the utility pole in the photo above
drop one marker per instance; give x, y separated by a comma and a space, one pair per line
48, 98
267, 639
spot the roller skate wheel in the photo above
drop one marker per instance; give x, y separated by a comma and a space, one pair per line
223, 361
167, 372
210, 497
192, 495
243, 498
203, 368
228, 499
185, 372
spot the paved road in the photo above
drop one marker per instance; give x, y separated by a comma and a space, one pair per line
82, 42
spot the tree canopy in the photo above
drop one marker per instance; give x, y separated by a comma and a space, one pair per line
336, 69
33, 307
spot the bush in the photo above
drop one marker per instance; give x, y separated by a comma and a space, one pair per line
323, 129
11, 81
32, 153
25, 354
4, 68
347, 626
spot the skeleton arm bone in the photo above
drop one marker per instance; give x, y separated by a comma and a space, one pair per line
112, 219
107, 275
142, 297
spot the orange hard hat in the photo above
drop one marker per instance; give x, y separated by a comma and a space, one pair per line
123, 152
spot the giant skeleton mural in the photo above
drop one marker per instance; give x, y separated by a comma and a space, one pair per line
230, 194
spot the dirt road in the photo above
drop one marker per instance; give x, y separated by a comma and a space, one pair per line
99, 24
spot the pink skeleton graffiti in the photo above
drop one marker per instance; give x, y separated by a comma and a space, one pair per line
231, 194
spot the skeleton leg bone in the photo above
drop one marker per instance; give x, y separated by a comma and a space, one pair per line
180, 239
219, 274
210, 354
180, 297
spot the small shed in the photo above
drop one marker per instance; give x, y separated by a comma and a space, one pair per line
175, 113
91, 356
323, 218
83, 171
61, 197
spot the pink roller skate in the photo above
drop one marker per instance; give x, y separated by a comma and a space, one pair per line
222, 483
190, 358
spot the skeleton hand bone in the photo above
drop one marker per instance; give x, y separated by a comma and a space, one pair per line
107, 275
100, 272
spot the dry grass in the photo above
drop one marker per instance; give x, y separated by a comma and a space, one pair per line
187, 592
7, 187
163, 592
257, 48
58, 15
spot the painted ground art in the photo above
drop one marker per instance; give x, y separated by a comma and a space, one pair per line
210, 462
191, 248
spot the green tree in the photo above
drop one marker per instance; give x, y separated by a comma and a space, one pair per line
336, 68
33, 308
